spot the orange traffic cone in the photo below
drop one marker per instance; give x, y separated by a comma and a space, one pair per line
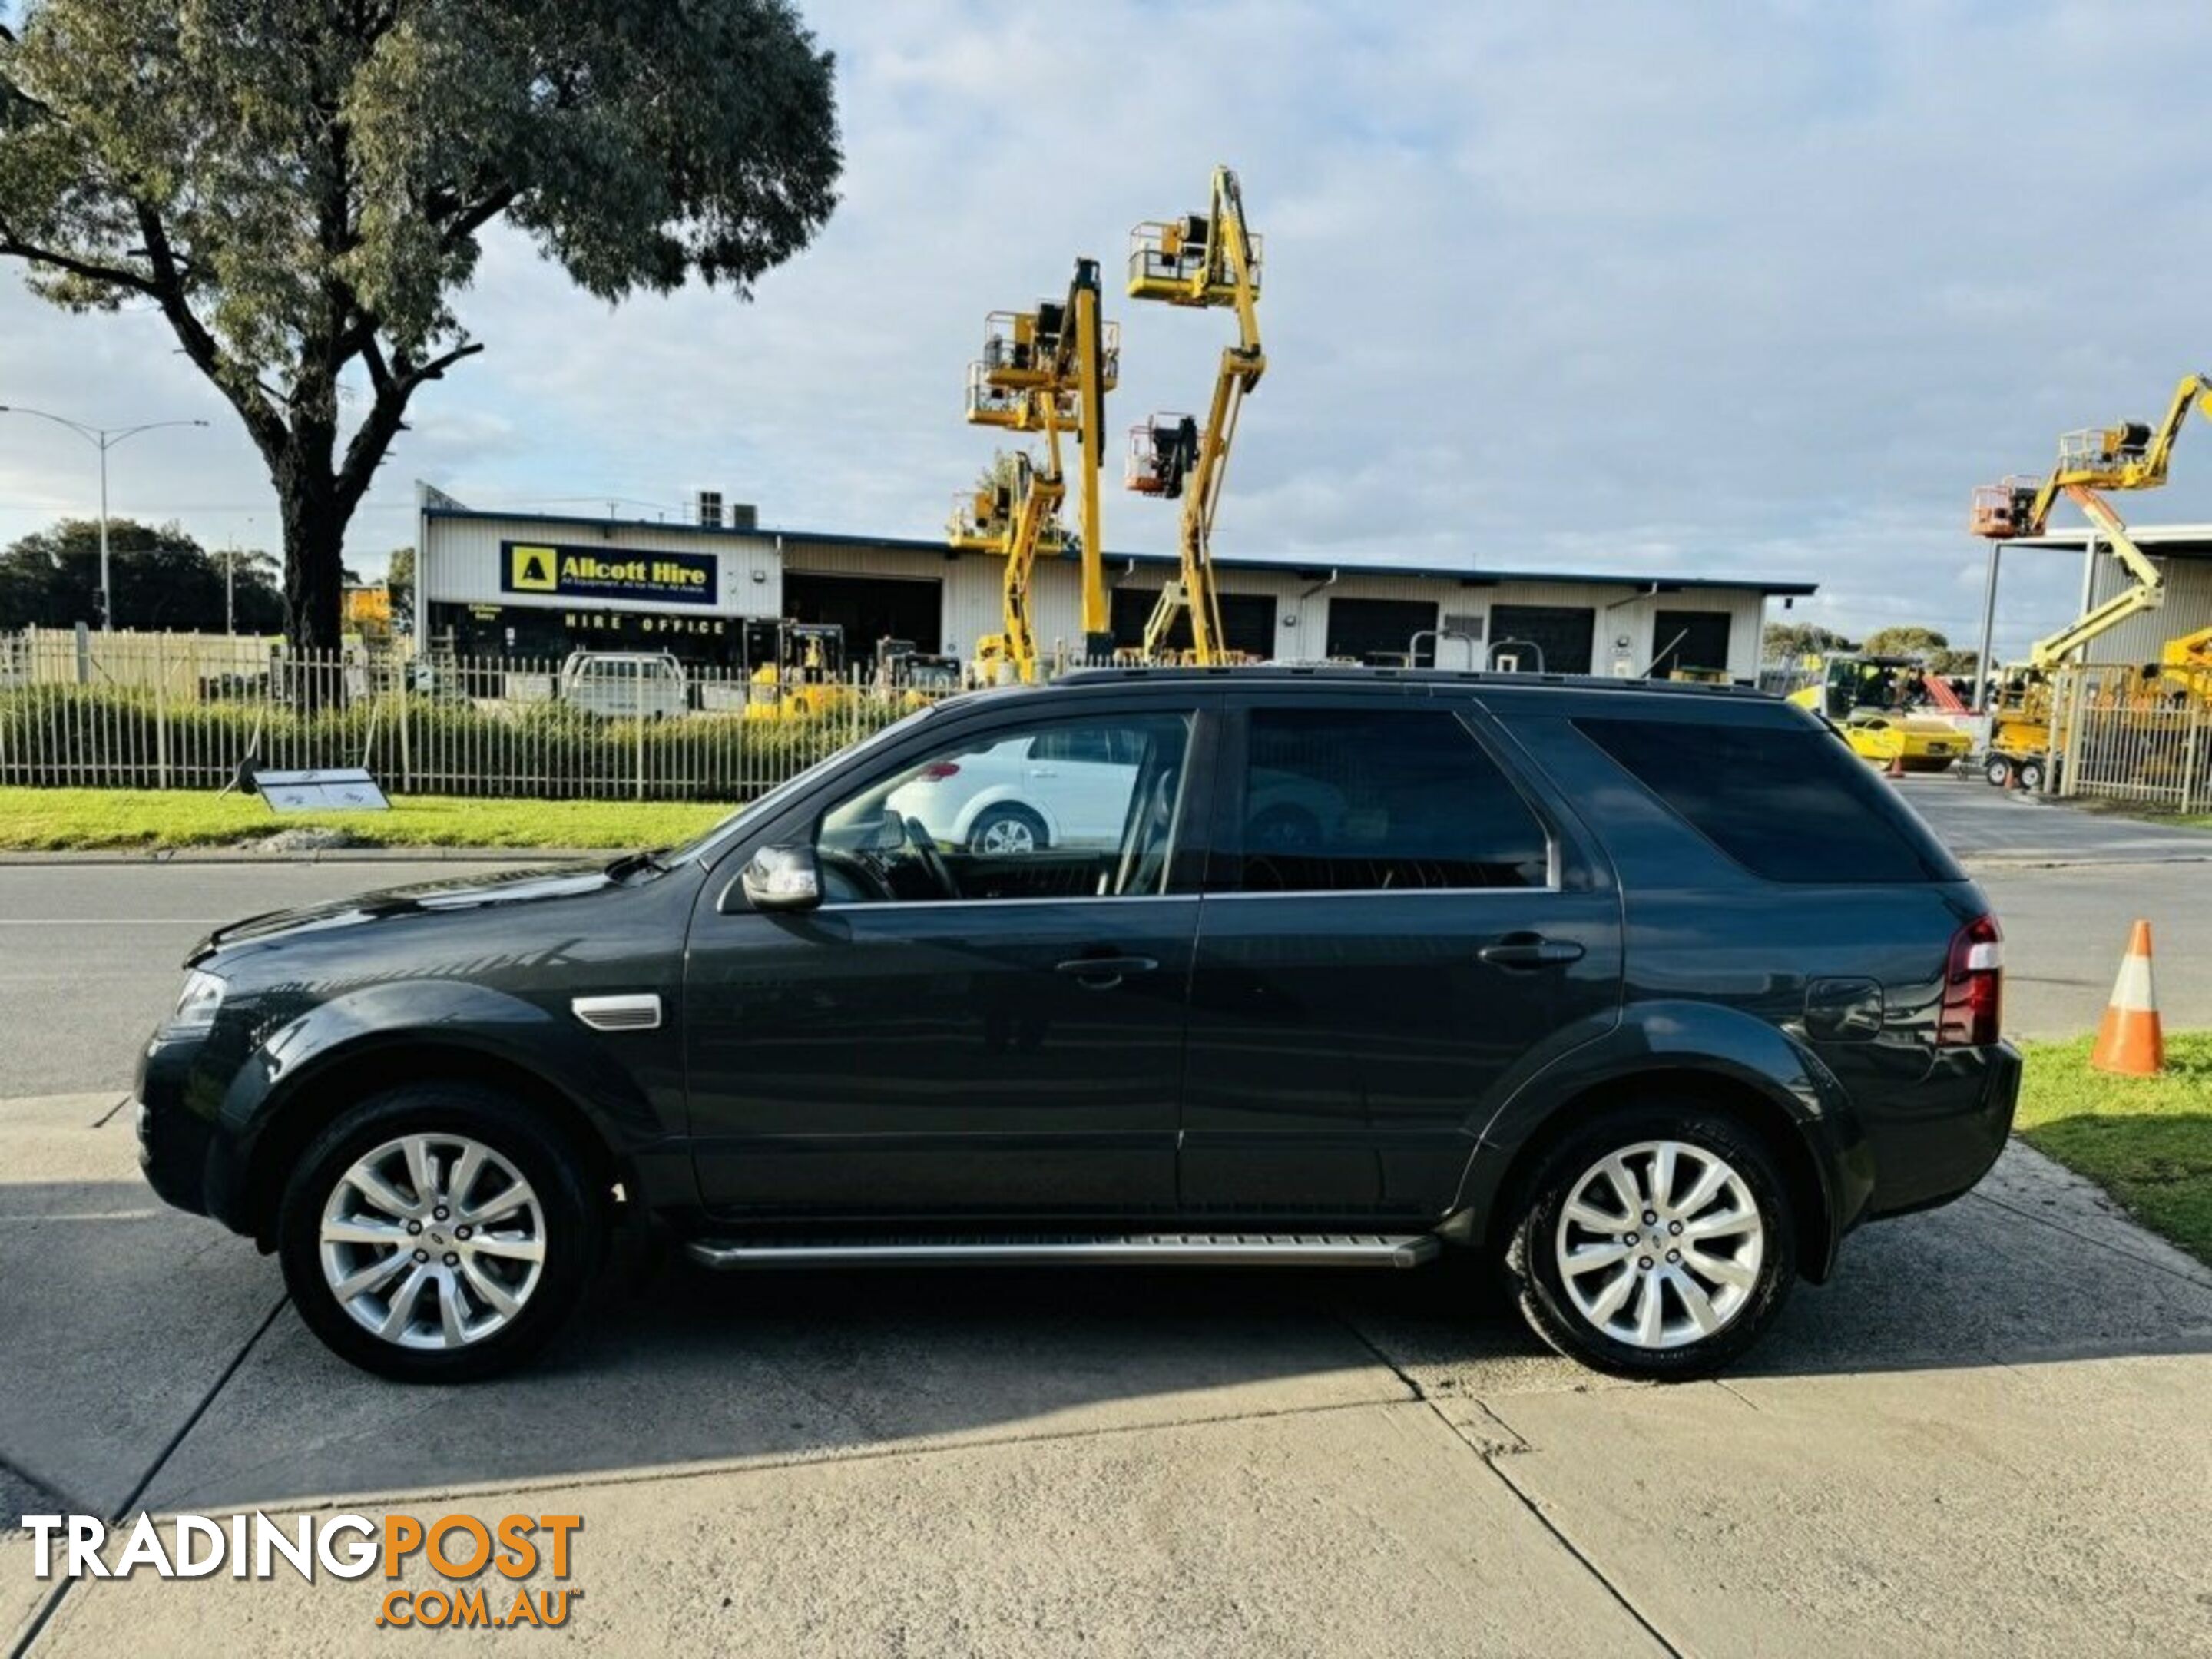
1896, 767
2130, 1041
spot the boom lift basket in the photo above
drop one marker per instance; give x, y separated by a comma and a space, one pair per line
2002, 509
1162, 451
1169, 260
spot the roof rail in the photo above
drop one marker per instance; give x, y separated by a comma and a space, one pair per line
1342, 672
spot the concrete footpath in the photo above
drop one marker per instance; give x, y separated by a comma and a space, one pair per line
1986, 1436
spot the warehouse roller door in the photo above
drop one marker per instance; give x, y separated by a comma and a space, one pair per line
869, 608
1378, 631
1248, 620
1561, 632
1689, 639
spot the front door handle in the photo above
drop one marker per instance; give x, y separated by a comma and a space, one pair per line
1104, 973
1530, 950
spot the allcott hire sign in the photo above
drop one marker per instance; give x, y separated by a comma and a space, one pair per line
584, 573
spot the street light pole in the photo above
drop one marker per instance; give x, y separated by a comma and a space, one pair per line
103, 439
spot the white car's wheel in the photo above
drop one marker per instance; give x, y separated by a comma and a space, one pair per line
1007, 830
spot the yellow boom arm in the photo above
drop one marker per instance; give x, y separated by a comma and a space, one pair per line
2129, 456
2147, 593
1224, 270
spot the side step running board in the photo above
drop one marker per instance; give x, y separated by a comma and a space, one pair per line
1116, 1249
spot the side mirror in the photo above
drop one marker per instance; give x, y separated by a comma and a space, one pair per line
787, 878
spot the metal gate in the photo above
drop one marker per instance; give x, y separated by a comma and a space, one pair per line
2135, 733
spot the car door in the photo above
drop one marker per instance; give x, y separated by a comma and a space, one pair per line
956, 1033
1397, 925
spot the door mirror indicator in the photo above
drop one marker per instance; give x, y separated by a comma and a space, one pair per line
785, 878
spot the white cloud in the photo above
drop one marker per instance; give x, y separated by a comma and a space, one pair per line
1756, 289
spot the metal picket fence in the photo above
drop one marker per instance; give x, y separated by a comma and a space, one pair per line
2134, 733
176, 712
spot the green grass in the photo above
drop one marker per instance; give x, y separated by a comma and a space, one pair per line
2147, 1141
45, 820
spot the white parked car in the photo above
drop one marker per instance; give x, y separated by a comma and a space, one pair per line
1059, 787
1069, 787
624, 684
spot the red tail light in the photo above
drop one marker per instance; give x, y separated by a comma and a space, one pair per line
937, 771
1973, 986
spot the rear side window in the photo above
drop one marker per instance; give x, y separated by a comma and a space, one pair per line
1790, 803
1381, 799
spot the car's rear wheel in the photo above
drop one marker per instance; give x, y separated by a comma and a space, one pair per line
437, 1232
1006, 829
1656, 1242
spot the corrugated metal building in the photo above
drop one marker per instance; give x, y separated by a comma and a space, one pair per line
2182, 551
539, 586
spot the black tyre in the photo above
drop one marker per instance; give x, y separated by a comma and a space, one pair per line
1998, 770
438, 1233
1657, 1241
2032, 775
1007, 829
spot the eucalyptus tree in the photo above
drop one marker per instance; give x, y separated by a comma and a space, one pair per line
300, 188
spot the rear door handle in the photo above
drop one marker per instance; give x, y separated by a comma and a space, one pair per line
1104, 973
1530, 950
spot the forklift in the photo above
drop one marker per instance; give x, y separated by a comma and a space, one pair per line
796, 669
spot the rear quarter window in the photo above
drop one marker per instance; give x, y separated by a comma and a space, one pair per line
1788, 802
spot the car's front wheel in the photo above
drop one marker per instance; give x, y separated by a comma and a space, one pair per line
437, 1232
1656, 1242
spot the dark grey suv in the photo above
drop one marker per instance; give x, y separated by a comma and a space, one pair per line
1648, 993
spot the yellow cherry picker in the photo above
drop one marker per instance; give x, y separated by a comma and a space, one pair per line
1046, 370
1200, 261
2129, 455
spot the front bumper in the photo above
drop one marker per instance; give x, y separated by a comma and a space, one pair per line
172, 1106
1932, 1140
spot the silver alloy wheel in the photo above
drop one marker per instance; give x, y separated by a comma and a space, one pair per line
433, 1241
1660, 1244
1010, 832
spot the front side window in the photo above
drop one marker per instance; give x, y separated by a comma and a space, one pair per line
1085, 808
1381, 800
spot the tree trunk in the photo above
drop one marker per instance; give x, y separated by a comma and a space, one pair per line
314, 571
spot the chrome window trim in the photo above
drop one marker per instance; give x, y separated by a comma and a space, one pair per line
863, 906
1385, 892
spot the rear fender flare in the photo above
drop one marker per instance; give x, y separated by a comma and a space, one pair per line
1682, 1041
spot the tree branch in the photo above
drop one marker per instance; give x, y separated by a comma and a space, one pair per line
396, 382
436, 367
467, 221
262, 423
12, 247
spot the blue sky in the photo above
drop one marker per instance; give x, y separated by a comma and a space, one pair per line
1699, 289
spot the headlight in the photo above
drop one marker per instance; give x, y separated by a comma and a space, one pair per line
201, 996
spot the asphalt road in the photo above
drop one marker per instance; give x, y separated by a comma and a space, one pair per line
91, 954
